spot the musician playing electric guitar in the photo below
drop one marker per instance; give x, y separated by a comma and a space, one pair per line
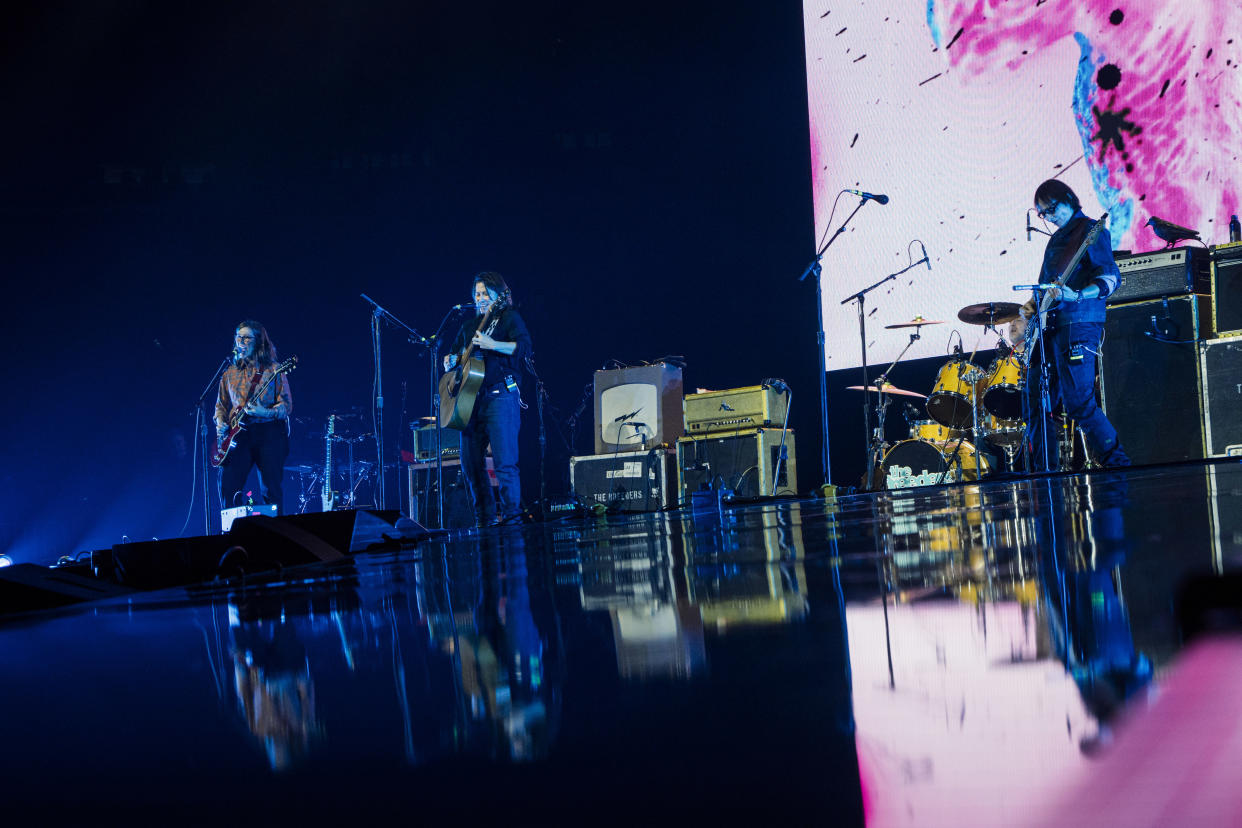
1073, 329
264, 439
503, 343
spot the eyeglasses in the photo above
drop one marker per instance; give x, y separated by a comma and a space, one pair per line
241, 338
1045, 212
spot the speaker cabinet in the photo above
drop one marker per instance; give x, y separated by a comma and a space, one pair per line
637, 408
627, 482
1220, 362
743, 463
1227, 290
1150, 377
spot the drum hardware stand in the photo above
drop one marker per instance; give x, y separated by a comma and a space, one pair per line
876, 441
860, 298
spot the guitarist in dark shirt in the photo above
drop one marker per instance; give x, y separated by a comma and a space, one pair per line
1073, 330
504, 345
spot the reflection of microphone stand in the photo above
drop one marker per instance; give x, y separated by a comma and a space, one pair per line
860, 298
204, 439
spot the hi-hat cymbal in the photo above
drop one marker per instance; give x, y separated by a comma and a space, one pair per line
989, 313
915, 322
887, 389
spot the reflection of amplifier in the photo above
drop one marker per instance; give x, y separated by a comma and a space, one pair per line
1227, 289
1173, 272
425, 441
626, 481
735, 409
742, 463
1220, 365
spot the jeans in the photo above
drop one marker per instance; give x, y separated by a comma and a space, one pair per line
265, 445
496, 418
1072, 383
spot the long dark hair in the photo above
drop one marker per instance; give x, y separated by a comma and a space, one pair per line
264, 350
493, 281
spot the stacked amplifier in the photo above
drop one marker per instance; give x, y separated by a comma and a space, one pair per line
1171, 361
654, 447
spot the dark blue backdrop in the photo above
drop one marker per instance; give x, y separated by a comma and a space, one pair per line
638, 172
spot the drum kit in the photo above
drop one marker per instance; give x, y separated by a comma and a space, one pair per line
966, 406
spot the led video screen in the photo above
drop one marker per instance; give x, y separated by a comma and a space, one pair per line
958, 110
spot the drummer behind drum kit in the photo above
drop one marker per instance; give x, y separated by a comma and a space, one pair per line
966, 400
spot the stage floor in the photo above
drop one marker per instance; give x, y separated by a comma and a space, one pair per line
959, 655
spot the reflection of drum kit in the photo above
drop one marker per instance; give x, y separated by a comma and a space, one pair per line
966, 400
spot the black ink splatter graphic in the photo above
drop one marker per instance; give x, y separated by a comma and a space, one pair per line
1116, 17
1112, 125
1108, 77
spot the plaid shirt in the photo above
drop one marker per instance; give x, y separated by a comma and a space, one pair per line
235, 385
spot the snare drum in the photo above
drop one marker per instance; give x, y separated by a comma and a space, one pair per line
952, 400
917, 463
931, 431
1002, 392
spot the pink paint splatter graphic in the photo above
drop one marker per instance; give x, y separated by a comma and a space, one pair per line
1157, 98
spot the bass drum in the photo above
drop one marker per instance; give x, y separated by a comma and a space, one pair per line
1002, 389
952, 401
914, 463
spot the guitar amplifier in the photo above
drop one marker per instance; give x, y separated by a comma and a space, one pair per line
637, 408
1220, 367
425, 441
742, 463
1175, 272
626, 481
736, 409
1227, 289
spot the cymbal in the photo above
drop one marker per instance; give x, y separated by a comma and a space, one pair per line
989, 313
888, 389
915, 322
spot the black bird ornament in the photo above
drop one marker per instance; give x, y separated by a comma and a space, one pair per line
1170, 232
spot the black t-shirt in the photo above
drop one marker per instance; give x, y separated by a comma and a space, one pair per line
509, 327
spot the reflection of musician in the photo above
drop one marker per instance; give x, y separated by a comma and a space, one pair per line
1074, 328
265, 439
504, 344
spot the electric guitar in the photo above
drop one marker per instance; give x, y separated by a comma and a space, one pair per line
329, 496
238, 415
1045, 299
459, 387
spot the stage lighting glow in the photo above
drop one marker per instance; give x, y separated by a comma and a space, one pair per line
5, 560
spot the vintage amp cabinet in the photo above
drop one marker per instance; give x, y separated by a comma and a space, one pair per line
1149, 369
1227, 290
742, 463
626, 481
637, 408
425, 441
1220, 377
1175, 272
736, 409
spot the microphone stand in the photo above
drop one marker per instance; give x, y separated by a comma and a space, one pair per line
378, 313
817, 269
860, 298
433, 372
204, 439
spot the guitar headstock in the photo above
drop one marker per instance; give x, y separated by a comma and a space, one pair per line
286, 366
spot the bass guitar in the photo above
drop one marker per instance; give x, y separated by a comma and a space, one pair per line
238, 415
329, 496
1045, 300
459, 387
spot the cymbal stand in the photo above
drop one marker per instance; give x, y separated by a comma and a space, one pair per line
860, 298
877, 441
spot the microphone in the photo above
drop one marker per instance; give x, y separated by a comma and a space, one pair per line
926, 260
878, 199
1029, 228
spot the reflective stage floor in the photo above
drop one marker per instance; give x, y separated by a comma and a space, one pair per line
1058, 650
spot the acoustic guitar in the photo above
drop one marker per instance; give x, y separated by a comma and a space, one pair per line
459, 387
238, 416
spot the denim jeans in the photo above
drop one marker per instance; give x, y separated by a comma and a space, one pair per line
1073, 385
496, 418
